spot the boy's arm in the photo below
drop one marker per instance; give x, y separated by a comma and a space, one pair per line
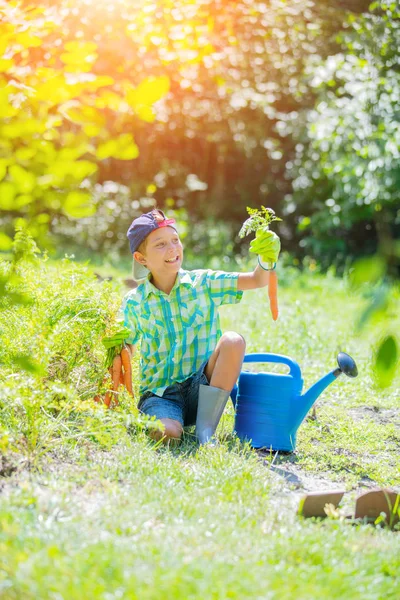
257, 279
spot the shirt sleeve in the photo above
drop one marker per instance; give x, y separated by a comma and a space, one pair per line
128, 316
223, 287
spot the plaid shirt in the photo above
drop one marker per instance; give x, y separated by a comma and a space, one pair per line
178, 331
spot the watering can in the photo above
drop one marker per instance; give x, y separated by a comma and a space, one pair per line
269, 407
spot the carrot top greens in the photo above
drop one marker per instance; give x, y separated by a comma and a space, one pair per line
258, 219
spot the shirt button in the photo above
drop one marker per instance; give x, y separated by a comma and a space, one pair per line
173, 360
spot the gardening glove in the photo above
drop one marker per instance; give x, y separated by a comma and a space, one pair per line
267, 245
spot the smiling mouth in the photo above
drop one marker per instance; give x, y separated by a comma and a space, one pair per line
172, 260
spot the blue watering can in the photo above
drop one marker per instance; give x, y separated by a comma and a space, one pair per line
270, 407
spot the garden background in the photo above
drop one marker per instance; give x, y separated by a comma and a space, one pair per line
201, 108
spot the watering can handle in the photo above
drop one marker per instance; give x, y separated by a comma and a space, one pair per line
275, 358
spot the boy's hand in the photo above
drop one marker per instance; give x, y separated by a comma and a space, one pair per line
267, 245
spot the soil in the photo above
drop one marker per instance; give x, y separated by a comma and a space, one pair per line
382, 416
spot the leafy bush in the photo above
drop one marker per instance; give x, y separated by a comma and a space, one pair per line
52, 358
346, 172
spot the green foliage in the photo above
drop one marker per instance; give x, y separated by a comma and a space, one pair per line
346, 173
52, 356
346, 170
370, 276
258, 219
220, 135
386, 360
60, 116
213, 141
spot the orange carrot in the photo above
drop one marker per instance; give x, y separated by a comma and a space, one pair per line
126, 361
107, 399
273, 294
116, 371
111, 397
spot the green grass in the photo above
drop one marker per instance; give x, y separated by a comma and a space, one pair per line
90, 508
138, 523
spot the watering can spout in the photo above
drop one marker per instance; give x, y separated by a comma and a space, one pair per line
346, 365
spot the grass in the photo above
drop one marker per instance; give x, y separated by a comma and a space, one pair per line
90, 508
213, 524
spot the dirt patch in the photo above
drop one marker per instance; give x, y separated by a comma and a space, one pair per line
8, 466
293, 481
284, 467
382, 416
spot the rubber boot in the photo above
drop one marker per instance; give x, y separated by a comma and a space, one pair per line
212, 402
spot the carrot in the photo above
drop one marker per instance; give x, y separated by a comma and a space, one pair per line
111, 397
126, 361
116, 371
273, 294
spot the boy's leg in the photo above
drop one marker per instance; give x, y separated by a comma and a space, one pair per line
224, 365
222, 371
167, 409
172, 431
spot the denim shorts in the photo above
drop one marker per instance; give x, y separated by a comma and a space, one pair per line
179, 401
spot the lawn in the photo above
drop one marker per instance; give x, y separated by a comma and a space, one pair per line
91, 508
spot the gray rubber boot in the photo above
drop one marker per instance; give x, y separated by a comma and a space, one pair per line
212, 402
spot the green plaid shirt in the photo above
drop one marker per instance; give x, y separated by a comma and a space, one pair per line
178, 331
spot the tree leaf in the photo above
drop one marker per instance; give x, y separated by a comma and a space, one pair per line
23, 200
76, 171
386, 360
106, 149
5, 64
123, 148
27, 40
367, 270
149, 91
3, 168
24, 181
79, 204
25, 362
5, 242
7, 195
145, 113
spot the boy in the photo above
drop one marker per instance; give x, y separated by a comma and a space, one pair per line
188, 368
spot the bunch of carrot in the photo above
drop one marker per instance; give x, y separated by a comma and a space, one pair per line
267, 245
119, 366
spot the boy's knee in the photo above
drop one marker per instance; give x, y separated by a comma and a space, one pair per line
172, 431
234, 341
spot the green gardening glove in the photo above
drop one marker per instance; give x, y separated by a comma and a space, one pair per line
267, 245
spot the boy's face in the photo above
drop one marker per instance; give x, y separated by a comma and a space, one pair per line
163, 253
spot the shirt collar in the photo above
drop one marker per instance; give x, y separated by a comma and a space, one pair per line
183, 278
